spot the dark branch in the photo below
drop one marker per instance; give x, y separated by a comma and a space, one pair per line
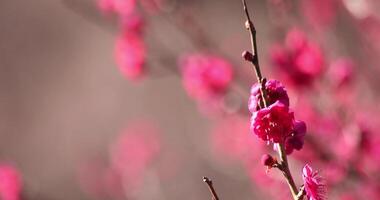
211, 188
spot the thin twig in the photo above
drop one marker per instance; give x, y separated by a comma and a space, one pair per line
211, 188
284, 166
252, 30
255, 59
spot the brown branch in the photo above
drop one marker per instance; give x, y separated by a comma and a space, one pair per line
284, 167
255, 54
254, 59
211, 188
252, 30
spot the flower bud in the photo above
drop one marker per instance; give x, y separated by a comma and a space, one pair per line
247, 56
267, 160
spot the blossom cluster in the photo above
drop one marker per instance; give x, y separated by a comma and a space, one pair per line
275, 123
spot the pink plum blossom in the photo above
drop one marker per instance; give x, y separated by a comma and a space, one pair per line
296, 140
275, 91
314, 185
273, 123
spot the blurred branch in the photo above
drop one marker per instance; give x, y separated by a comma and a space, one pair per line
87, 12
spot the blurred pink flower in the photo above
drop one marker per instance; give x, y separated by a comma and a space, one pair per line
275, 91
315, 188
231, 140
120, 7
10, 183
130, 55
91, 178
135, 149
300, 61
132, 24
273, 123
319, 13
132, 153
152, 6
205, 77
341, 72
334, 172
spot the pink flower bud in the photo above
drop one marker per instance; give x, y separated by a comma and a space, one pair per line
267, 160
247, 56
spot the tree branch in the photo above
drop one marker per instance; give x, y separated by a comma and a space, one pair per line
211, 188
254, 59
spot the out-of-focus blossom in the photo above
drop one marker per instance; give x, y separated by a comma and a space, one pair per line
300, 61
205, 77
131, 155
132, 24
231, 139
130, 55
319, 13
341, 72
135, 149
275, 91
10, 183
334, 173
125, 8
315, 187
359, 9
296, 140
273, 123
91, 176
120, 7
347, 196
